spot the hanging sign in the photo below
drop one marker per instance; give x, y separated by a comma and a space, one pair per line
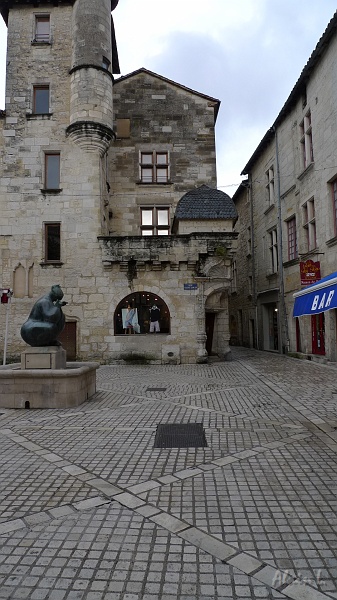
310, 272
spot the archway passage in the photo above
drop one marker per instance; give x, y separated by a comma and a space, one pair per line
143, 302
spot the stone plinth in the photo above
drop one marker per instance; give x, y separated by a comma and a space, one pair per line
42, 388
44, 357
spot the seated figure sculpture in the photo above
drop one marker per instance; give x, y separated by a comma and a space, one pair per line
46, 320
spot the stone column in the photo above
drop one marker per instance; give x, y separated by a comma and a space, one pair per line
202, 354
224, 350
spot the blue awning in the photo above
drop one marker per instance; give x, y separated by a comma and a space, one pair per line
317, 298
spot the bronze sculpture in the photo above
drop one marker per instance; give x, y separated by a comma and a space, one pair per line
46, 320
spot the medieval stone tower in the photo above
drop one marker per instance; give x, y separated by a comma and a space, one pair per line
54, 135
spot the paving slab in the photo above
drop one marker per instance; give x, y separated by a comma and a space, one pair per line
89, 509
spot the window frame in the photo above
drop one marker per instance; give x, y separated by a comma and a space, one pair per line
334, 203
270, 185
309, 224
306, 140
47, 242
41, 38
292, 238
154, 227
154, 166
37, 88
106, 63
273, 250
47, 174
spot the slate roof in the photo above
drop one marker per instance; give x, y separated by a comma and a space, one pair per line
205, 203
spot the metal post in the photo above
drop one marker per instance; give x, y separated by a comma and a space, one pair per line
8, 306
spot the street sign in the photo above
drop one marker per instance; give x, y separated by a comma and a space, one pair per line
190, 286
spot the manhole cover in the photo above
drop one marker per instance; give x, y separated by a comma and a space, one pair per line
180, 435
156, 390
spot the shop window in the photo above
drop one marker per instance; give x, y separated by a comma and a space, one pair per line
150, 315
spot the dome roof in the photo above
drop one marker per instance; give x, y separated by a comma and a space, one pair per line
205, 203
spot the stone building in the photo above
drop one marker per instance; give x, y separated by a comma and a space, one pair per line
108, 187
291, 192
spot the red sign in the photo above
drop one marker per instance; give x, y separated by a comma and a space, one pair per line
310, 272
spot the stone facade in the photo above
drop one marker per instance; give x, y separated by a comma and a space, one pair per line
72, 191
292, 193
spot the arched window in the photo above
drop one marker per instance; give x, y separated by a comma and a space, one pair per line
149, 309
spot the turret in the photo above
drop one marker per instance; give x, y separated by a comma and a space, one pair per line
94, 60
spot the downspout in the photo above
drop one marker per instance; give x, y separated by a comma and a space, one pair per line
252, 235
284, 341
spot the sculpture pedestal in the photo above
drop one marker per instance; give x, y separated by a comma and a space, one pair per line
44, 357
47, 388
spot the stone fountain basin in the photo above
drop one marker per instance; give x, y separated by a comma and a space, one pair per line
47, 388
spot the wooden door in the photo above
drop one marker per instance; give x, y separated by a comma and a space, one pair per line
318, 334
210, 318
68, 339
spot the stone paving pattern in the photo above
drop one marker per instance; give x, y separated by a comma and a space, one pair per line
90, 510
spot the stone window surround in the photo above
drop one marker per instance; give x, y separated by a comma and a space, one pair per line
48, 258
292, 238
154, 227
155, 166
40, 87
309, 224
41, 37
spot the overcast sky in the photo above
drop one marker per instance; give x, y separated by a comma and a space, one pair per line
247, 53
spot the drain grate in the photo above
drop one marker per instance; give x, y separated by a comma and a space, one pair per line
156, 389
180, 435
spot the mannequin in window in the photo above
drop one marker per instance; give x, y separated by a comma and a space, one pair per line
129, 317
154, 319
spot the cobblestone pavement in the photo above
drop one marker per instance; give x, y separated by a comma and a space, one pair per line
89, 509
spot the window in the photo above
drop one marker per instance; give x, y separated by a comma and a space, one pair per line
334, 203
270, 186
306, 141
292, 241
42, 28
154, 167
309, 224
52, 237
148, 309
249, 241
155, 220
105, 63
123, 128
52, 171
234, 276
273, 250
41, 99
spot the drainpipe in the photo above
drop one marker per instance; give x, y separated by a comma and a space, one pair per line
252, 235
284, 332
